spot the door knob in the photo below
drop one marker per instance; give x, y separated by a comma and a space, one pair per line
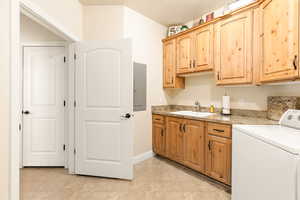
127, 116
26, 112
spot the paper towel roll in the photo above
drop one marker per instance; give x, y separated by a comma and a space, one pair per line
226, 104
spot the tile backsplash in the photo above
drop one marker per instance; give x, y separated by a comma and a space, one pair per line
277, 105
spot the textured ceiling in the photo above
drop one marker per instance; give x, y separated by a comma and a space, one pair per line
165, 11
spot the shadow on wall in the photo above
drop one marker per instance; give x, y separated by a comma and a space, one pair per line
203, 88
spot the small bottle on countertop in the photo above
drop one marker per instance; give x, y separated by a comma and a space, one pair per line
212, 108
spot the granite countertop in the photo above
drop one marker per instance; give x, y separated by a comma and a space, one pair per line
232, 119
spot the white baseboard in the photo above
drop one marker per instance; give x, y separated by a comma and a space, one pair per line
144, 156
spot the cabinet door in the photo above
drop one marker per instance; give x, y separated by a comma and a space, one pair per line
233, 45
169, 63
169, 77
184, 53
159, 139
218, 164
175, 147
194, 155
203, 51
279, 23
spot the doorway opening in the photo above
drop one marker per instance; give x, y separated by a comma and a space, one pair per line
44, 89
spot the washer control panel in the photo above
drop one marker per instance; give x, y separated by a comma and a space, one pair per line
291, 118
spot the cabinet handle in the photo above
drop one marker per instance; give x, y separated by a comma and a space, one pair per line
162, 132
190, 63
219, 130
209, 145
295, 62
194, 63
180, 128
172, 80
184, 128
218, 76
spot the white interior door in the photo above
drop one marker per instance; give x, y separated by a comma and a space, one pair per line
104, 93
43, 106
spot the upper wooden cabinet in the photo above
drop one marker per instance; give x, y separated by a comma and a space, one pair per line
170, 80
203, 49
279, 40
255, 44
233, 49
184, 54
195, 51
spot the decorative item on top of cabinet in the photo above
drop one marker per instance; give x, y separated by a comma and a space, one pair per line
279, 40
233, 49
170, 80
159, 135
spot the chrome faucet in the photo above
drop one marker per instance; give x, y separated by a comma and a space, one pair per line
197, 106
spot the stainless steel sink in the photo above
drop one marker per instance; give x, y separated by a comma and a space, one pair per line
193, 114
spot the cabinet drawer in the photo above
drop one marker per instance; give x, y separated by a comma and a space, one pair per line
158, 119
219, 130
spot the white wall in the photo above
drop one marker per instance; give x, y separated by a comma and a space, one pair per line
147, 48
66, 12
4, 98
103, 22
33, 32
204, 89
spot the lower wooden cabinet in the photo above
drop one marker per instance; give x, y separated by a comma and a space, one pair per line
159, 135
186, 142
175, 146
204, 147
159, 139
194, 143
218, 163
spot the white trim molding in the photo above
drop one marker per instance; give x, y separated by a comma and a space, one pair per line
142, 157
37, 14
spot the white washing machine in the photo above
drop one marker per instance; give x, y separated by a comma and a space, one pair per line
266, 160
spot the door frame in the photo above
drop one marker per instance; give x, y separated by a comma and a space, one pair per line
37, 14
65, 93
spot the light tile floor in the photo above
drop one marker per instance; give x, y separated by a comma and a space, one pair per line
155, 179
